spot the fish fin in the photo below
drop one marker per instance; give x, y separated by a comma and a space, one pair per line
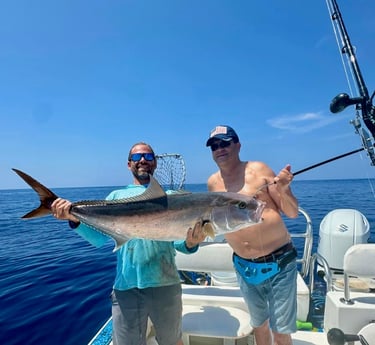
119, 242
41, 211
118, 246
154, 190
46, 196
208, 229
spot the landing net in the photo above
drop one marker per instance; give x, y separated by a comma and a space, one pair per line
170, 171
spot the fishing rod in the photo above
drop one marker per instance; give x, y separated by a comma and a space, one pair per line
363, 103
327, 161
312, 167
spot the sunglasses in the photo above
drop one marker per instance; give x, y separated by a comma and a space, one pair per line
136, 157
220, 144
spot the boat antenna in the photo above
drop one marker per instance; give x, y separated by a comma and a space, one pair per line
365, 110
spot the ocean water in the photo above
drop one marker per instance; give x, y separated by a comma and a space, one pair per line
55, 287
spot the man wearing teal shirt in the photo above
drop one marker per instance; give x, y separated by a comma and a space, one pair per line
147, 283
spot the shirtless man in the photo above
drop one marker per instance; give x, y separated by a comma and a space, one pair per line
271, 297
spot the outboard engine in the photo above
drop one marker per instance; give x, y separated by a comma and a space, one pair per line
339, 230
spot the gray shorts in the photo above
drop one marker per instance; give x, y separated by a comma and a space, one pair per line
275, 300
132, 308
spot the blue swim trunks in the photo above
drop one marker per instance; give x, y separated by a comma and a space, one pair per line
275, 299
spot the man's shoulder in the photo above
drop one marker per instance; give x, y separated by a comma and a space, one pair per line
214, 177
258, 170
256, 165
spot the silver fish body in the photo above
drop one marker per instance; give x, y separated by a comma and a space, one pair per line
155, 215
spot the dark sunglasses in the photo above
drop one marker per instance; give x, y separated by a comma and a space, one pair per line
220, 144
136, 157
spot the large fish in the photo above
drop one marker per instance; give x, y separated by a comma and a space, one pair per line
155, 215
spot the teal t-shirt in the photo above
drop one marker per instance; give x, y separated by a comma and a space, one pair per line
140, 263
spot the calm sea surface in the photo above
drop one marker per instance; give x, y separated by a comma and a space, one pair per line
55, 287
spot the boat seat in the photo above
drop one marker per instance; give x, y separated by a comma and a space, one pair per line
212, 311
224, 322
351, 310
219, 311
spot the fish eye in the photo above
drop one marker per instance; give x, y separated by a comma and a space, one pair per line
242, 205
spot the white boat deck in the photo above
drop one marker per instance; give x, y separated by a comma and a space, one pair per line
309, 338
299, 338
217, 314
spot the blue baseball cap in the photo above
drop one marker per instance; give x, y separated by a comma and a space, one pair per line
225, 133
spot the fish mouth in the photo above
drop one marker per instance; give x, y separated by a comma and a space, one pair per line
237, 216
228, 227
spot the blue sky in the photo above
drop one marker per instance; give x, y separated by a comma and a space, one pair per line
81, 81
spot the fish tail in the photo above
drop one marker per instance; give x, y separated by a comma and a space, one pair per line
46, 196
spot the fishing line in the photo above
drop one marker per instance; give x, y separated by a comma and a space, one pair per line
363, 103
337, 36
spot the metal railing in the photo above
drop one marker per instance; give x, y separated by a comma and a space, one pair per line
308, 243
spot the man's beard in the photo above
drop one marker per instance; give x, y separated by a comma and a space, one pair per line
142, 175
